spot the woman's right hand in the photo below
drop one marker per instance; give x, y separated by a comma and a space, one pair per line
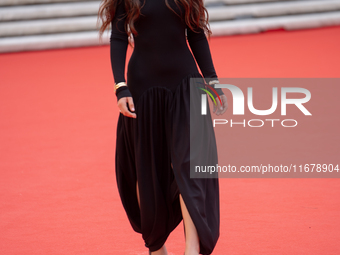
123, 104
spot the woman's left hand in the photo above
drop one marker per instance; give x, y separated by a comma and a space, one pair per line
220, 109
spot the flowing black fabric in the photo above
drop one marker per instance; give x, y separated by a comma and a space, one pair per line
158, 78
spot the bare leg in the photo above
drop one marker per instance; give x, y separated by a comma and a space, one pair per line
191, 236
138, 194
161, 251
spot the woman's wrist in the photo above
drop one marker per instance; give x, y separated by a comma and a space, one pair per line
122, 91
212, 82
119, 84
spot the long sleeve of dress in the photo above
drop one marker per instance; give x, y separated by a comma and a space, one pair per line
118, 47
200, 48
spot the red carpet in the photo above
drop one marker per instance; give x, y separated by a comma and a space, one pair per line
58, 192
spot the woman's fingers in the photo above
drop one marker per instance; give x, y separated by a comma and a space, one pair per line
218, 106
123, 106
131, 105
225, 103
221, 108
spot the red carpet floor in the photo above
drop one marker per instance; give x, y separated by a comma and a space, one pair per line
58, 192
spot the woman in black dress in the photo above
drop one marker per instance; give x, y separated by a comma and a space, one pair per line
153, 146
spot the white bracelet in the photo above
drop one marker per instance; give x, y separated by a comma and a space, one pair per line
119, 84
213, 82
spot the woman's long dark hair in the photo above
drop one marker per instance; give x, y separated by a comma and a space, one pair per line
196, 15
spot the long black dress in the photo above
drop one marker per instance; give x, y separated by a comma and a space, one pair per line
158, 78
